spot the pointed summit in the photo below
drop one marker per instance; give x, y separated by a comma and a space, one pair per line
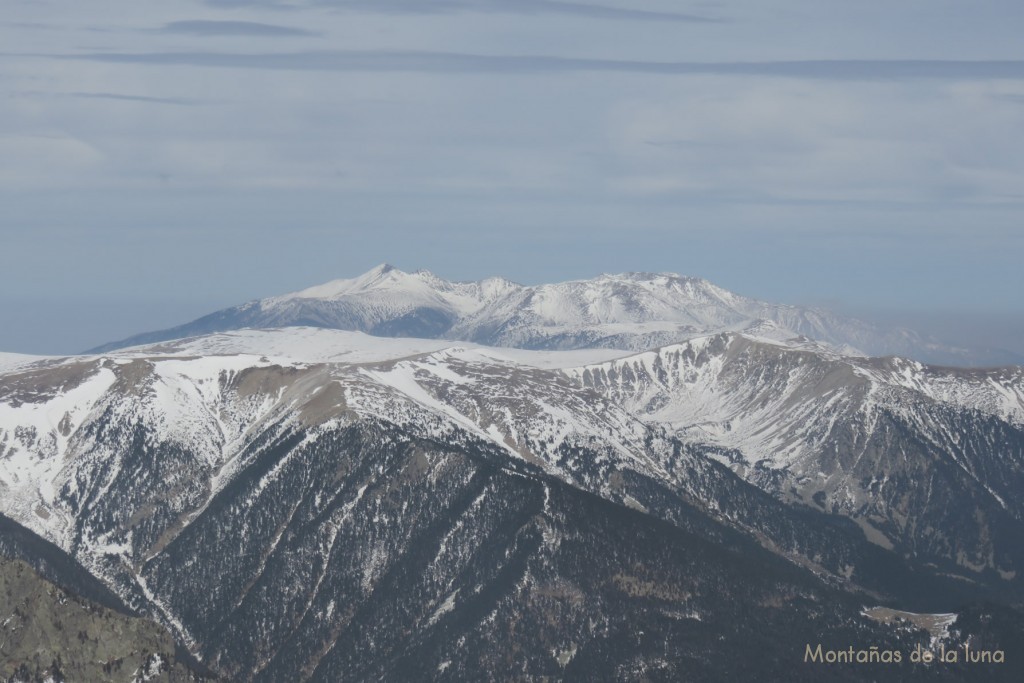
380, 271
342, 287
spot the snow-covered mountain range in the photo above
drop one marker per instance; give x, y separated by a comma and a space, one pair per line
632, 311
803, 424
339, 507
475, 476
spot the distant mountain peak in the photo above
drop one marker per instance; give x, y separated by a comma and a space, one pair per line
647, 275
632, 311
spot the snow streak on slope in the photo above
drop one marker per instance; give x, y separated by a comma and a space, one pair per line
995, 391
39, 416
706, 390
778, 403
532, 414
58, 418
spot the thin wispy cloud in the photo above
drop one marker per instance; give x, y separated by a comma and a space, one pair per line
248, 4
177, 101
600, 127
450, 62
233, 28
34, 25
117, 97
578, 9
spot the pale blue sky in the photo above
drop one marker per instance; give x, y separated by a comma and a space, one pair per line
159, 160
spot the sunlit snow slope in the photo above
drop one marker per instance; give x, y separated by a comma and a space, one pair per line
631, 311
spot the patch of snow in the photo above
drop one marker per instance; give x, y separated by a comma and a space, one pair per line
447, 606
15, 361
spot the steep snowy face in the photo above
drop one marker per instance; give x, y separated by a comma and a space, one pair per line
639, 311
624, 311
631, 311
629, 298
385, 301
389, 293
908, 451
994, 391
68, 429
778, 402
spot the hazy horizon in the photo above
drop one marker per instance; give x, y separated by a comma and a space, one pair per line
87, 324
161, 161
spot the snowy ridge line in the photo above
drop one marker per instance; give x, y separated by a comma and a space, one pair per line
839, 433
626, 311
292, 345
17, 361
994, 391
